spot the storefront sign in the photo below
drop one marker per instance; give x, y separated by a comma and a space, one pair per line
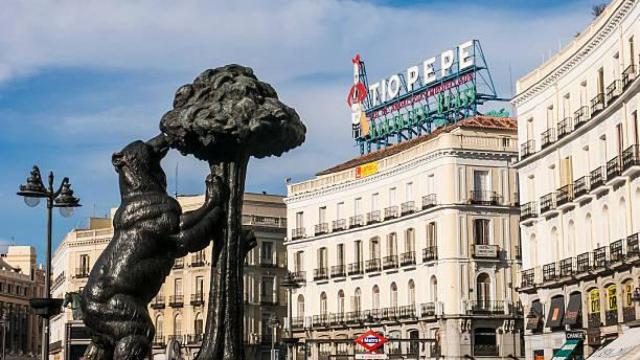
365, 170
575, 335
370, 340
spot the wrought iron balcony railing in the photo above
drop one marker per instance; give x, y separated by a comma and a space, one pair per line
596, 178
566, 267
82, 272
547, 203
565, 126
583, 263
356, 221
597, 104
484, 197
373, 265
527, 149
580, 116
373, 217
630, 157
338, 271
614, 167
321, 274
157, 302
407, 207
197, 299
321, 229
600, 258
178, 263
355, 268
176, 301
616, 251
528, 278
613, 91
429, 254
339, 225
408, 258
564, 195
581, 186
628, 75
528, 210
428, 201
391, 212
299, 277
547, 137
297, 233
549, 272
390, 262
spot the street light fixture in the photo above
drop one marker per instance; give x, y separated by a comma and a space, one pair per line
32, 191
275, 324
290, 284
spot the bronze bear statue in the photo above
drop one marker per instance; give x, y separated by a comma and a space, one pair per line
150, 232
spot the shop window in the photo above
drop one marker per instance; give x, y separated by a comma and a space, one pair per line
612, 298
594, 301
484, 342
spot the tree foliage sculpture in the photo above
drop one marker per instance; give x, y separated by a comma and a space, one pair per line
225, 117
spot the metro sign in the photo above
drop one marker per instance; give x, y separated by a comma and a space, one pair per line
370, 340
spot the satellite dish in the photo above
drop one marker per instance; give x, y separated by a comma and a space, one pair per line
173, 351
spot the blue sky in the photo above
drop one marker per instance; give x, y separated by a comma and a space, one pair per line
79, 80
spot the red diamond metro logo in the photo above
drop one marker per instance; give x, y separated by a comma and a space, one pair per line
370, 340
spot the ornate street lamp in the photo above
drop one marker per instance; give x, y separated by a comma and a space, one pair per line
32, 191
290, 284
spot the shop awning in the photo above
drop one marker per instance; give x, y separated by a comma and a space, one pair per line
625, 347
566, 350
556, 312
536, 310
574, 309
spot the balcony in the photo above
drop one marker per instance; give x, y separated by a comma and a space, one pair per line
178, 263
337, 319
355, 268
528, 211
580, 116
631, 160
373, 217
267, 260
597, 104
321, 274
373, 265
547, 203
354, 317
564, 195
614, 169
427, 309
197, 299
407, 207
356, 221
596, 179
429, 201
390, 262
177, 337
613, 91
193, 339
581, 187
616, 251
632, 245
391, 212
600, 258
197, 260
321, 229
320, 320
482, 251
157, 302
483, 197
297, 322
628, 75
549, 272
158, 341
487, 306
82, 273
338, 271
528, 278
297, 233
176, 301
299, 277
547, 137
408, 258
339, 225
565, 126
566, 267
583, 263
407, 312
429, 254
527, 149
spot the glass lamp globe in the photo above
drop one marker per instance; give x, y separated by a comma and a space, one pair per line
31, 201
66, 211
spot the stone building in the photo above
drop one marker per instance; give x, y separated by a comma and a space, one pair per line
20, 280
419, 241
579, 188
179, 309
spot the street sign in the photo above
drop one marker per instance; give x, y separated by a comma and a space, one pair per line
371, 356
370, 340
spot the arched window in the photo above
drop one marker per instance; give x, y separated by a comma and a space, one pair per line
340, 302
594, 301
375, 299
177, 325
434, 289
412, 293
355, 306
198, 324
394, 295
374, 248
571, 238
323, 303
555, 244
300, 307
483, 288
627, 296
159, 328
409, 240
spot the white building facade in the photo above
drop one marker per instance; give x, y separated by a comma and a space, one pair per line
417, 242
580, 196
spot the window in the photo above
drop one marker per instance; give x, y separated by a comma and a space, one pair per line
634, 119
530, 134
430, 184
177, 287
374, 201
550, 119
392, 196
392, 244
357, 251
198, 324
340, 255
432, 234
357, 206
300, 306
566, 171
323, 303
409, 240
177, 325
632, 51
480, 181
412, 293
299, 219
375, 299
266, 253
483, 289
627, 299
267, 285
159, 329
374, 248
394, 295
481, 232
340, 302
298, 261
355, 303
199, 285
612, 298
594, 301
84, 264
322, 215
566, 105
619, 139
340, 211
600, 83
434, 289
414, 346
408, 194
323, 258
484, 342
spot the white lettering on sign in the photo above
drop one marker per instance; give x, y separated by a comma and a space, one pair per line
388, 89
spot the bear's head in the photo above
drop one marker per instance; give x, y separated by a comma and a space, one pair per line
138, 167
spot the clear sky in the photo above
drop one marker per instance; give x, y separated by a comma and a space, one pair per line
79, 80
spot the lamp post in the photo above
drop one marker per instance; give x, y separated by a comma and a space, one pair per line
275, 323
32, 191
3, 323
290, 284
